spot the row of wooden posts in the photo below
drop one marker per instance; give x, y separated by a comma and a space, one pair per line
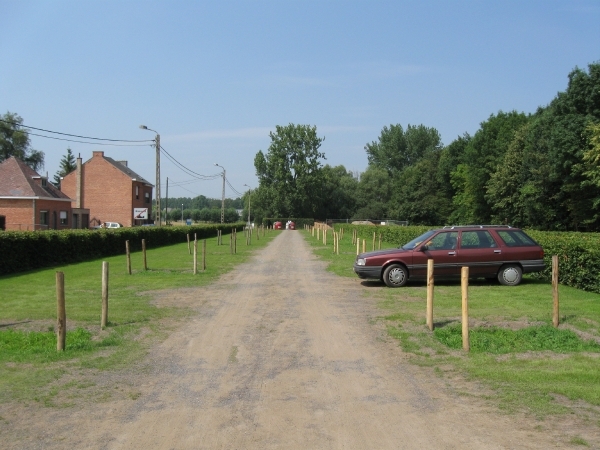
320, 231
61, 331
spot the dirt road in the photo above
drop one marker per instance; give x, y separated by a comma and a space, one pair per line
281, 355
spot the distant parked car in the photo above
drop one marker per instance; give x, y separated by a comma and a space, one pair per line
290, 225
492, 252
111, 225
277, 226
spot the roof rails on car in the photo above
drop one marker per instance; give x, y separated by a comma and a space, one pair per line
451, 227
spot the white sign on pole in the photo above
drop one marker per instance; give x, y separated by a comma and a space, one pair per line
140, 213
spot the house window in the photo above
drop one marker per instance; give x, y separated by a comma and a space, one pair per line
43, 217
63, 218
137, 192
147, 195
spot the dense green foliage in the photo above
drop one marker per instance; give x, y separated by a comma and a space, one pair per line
539, 170
14, 141
204, 215
289, 173
33, 250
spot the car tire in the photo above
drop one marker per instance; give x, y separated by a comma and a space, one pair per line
510, 275
395, 275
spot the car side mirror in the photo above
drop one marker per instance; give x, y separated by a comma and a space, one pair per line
423, 248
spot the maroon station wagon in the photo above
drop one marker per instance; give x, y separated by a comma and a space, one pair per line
490, 251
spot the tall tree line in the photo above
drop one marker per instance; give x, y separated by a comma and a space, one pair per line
539, 170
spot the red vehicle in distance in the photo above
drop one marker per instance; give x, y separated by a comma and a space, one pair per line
277, 226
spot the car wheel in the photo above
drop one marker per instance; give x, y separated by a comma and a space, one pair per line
395, 275
510, 275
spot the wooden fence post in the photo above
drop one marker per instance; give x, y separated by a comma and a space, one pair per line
144, 253
61, 314
555, 303
430, 281
357, 246
364, 245
204, 255
379, 241
373, 241
235, 241
128, 257
231, 242
464, 284
189, 249
195, 271
104, 318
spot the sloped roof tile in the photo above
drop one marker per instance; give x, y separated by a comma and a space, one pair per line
17, 179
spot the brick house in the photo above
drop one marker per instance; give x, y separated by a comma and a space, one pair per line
28, 201
109, 190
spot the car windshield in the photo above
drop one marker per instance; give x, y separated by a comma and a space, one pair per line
417, 241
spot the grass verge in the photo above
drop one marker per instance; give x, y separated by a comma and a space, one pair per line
30, 367
524, 362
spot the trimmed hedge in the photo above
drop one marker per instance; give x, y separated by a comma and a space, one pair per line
578, 253
27, 250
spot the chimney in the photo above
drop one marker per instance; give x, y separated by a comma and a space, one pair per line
98, 153
78, 194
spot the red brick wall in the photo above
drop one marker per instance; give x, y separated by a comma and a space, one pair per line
108, 193
19, 214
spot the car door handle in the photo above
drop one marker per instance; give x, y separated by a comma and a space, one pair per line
452, 253
497, 251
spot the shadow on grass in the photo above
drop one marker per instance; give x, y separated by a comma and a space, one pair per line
3, 325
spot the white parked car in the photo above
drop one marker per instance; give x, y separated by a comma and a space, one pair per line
112, 225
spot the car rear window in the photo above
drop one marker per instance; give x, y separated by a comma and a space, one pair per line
516, 238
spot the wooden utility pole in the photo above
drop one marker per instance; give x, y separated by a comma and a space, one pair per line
61, 314
204, 255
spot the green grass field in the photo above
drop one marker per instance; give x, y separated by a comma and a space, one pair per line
30, 366
515, 351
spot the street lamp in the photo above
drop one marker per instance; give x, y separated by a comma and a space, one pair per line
249, 194
182, 213
144, 127
222, 195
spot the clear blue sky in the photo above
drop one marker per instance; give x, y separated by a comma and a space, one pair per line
213, 78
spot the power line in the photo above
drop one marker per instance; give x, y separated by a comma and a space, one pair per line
233, 189
83, 142
186, 170
67, 134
